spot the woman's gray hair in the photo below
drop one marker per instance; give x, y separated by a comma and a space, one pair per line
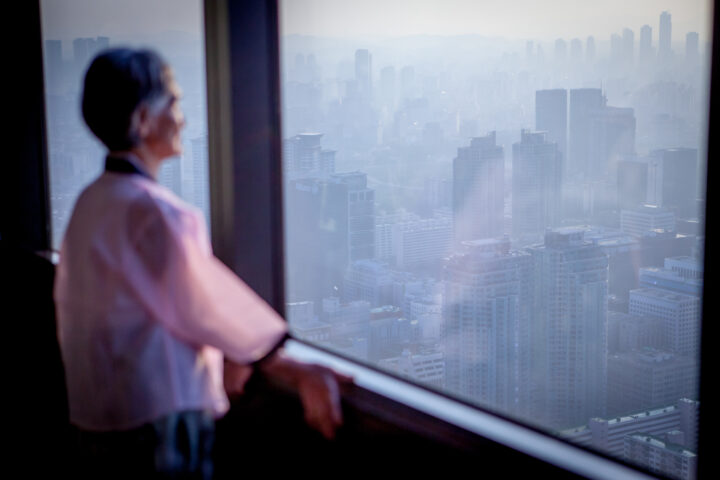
117, 83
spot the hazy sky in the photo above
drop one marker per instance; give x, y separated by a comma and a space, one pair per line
504, 18
518, 19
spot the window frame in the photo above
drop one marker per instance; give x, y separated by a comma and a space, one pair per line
239, 34
252, 35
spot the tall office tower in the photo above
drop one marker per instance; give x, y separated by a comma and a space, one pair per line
632, 177
611, 139
673, 180
628, 47
333, 224
680, 312
645, 50
569, 328
387, 88
583, 103
363, 73
658, 454
478, 193
486, 325
536, 184
200, 194
352, 191
692, 52
646, 218
576, 51
664, 38
648, 378
303, 157
590, 49
551, 117
81, 56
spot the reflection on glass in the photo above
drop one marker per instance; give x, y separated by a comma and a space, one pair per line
513, 218
74, 31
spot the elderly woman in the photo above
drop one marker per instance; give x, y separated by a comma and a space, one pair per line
145, 311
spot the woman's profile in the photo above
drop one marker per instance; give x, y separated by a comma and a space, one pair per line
146, 313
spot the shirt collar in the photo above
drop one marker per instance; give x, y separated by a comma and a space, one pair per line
125, 163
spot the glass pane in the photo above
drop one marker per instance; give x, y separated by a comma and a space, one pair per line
504, 201
74, 31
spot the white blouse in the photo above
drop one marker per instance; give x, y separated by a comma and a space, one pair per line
144, 309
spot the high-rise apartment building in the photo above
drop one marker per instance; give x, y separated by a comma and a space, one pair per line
536, 184
304, 157
584, 102
569, 332
551, 117
673, 180
486, 325
645, 50
478, 191
363, 73
665, 37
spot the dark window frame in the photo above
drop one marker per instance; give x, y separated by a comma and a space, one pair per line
252, 35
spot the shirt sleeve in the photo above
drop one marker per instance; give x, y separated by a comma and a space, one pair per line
189, 291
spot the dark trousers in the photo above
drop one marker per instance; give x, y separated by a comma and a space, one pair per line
177, 446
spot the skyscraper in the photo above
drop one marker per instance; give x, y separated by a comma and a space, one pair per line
569, 328
363, 73
478, 193
576, 51
486, 321
673, 180
333, 224
584, 102
665, 36
303, 157
536, 184
590, 49
551, 117
611, 139
645, 52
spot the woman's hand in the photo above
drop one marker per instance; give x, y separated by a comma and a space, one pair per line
318, 388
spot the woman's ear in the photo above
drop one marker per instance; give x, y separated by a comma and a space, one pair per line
140, 122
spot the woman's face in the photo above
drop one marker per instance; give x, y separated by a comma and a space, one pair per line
166, 120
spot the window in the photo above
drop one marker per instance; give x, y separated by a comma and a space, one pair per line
74, 31
517, 204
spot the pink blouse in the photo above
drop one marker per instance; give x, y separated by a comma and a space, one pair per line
145, 311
